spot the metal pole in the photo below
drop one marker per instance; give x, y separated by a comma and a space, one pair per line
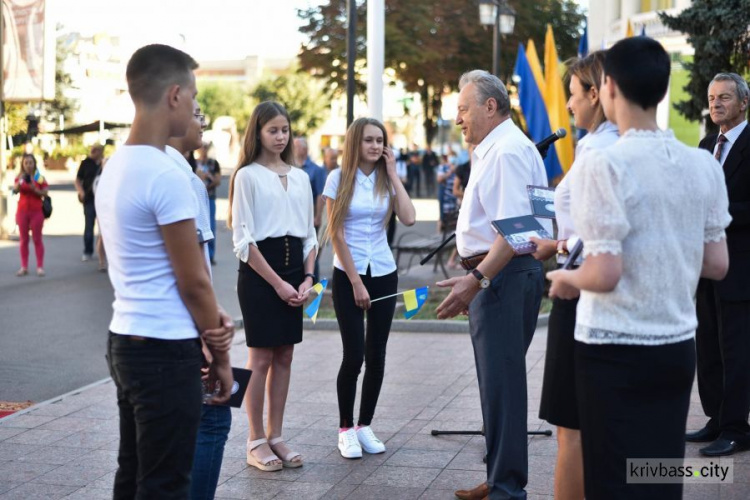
3, 202
496, 42
351, 58
375, 57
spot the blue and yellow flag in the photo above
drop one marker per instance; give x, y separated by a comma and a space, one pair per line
312, 309
414, 300
556, 100
531, 96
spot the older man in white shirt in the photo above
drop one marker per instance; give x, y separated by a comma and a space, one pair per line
502, 292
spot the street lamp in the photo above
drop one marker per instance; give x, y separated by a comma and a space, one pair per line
499, 14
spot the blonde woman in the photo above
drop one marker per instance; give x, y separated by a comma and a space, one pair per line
271, 216
360, 198
559, 404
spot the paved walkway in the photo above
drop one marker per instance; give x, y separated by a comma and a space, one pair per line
68, 447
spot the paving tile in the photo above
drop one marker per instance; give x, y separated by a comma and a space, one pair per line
23, 472
89, 493
249, 489
736, 491
86, 439
284, 474
435, 494
6, 485
38, 436
420, 458
403, 477
367, 492
341, 491
59, 409
458, 479
308, 491
15, 451
74, 475
27, 421
468, 460
445, 443
325, 473
9, 432
55, 455
38, 491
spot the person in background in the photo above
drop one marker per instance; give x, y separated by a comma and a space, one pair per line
559, 399
330, 162
446, 176
272, 221
209, 170
429, 164
412, 173
87, 172
360, 197
32, 187
317, 183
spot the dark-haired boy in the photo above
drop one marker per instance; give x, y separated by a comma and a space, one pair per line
163, 293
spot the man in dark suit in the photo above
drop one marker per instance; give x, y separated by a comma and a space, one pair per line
723, 307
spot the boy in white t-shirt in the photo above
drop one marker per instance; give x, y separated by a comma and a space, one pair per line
163, 292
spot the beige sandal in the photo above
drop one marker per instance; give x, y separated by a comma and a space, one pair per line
288, 460
264, 463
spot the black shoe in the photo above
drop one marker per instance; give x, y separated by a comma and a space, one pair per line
213, 262
723, 447
705, 435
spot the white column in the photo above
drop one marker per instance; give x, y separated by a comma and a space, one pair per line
375, 57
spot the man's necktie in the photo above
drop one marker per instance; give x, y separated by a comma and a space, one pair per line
720, 141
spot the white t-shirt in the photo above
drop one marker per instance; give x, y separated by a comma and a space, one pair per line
140, 190
364, 225
203, 221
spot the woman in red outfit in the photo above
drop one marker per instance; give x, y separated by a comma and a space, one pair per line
33, 188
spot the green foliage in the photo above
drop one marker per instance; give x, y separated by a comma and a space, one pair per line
218, 98
429, 44
718, 33
687, 131
303, 97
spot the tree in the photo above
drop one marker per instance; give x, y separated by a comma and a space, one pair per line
61, 104
218, 98
718, 32
429, 44
303, 97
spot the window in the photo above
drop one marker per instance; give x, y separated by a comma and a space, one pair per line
652, 5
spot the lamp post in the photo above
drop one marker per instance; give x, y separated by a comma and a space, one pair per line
499, 14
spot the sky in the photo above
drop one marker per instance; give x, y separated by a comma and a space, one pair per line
206, 29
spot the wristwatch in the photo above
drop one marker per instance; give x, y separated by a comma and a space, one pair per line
484, 281
310, 275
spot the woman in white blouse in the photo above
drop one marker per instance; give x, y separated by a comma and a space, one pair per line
651, 212
559, 404
271, 217
360, 198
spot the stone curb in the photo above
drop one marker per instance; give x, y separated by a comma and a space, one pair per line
403, 325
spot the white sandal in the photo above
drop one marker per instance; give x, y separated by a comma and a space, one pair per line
288, 460
264, 463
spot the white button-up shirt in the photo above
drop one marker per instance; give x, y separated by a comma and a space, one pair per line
364, 225
502, 165
732, 136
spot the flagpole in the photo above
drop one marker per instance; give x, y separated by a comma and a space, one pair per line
393, 295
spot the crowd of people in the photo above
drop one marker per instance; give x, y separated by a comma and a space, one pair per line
621, 348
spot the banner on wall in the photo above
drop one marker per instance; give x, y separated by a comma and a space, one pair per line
28, 45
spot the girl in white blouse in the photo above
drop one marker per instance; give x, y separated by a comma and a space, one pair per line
271, 217
360, 197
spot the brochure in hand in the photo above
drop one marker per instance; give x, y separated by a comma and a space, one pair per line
542, 200
518, 230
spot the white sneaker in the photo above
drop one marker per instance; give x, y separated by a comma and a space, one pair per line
369, 441
349, 444
85, 258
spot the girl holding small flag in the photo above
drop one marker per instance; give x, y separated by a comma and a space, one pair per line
360, 198
29, 216
271, 216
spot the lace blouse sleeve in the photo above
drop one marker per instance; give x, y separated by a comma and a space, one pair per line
717, 216
598, 205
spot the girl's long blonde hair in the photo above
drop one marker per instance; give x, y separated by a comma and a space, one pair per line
251, 145
350, 161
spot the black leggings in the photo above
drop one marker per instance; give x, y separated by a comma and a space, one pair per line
359, 347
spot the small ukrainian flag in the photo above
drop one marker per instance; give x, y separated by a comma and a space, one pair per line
414, 300
312, 309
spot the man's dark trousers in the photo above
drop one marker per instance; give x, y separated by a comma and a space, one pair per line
159, 398
89, 213
502, 320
